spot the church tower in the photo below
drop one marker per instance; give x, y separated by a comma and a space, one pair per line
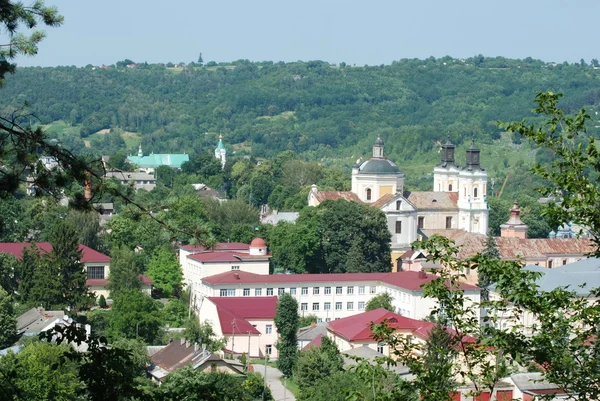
140, 153
221, 152
445, 174
472, 194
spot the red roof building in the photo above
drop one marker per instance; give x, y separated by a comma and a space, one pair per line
16, 249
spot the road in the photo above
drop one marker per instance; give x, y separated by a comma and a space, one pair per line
277, 389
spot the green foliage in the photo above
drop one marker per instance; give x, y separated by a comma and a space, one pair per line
254, 386
175, 312
124, 273
190, 385
8, 322
165, 271
135, 316
317, 363
203, 333
287, 323
9, 267
383, 300
102, 301
307, 320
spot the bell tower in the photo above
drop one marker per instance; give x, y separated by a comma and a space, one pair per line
445, 174
472, 194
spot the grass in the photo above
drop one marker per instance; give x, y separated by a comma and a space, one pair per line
272, 364
291, 385
61, 129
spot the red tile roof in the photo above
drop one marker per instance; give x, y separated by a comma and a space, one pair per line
219, 257
335, 195
407, 279
221, 246
16, 249
234, 311
316, 342
379, 203
433, 200
358, 327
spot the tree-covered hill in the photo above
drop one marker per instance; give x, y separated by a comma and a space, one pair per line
314, 108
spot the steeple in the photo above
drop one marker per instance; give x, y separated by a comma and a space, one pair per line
140, 153
514, 227
220, 151
378, 148
448, 154
473, 157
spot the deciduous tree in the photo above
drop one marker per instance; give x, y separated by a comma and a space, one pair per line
383, 300
165, 271
287, 323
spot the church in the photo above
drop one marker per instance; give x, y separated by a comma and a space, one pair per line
457, 201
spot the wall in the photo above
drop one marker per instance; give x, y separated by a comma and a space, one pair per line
194, 271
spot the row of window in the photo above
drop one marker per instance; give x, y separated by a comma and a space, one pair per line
258, 292
316, 306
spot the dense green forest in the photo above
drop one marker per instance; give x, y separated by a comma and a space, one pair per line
314, 108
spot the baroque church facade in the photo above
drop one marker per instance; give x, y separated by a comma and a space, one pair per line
457, 201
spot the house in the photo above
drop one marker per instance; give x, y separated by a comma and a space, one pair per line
198, 262
96, 265
306, 335
458, 200
275, 217
37, 320
248, 326
533, 386
138, 180
151, 162
106, 211
180, 353
331, 296
204, 191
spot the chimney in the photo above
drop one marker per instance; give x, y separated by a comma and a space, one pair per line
514, 227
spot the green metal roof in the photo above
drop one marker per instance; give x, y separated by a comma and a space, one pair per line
220, 146
378, 166
157, 160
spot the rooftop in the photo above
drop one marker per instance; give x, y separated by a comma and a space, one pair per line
234, 311
433, 200
580, 277
378, 166
157, 160
220, 246
16, 249
409, 280
335, 195
130, 176
219, 257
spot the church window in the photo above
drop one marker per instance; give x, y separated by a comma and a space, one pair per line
450, 188
398, 227
398, 204
448, 222
420, 222
368, 194
475, 192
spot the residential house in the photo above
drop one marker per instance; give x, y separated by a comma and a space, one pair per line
306, 335
331, 296
138, 180
533, 386
248, 326
198, 262
275, 217
204, 191
180, 353
96, 265
37, 320
106, 211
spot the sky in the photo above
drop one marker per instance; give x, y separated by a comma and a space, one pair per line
363, 32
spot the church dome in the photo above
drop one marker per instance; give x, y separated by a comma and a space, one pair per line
378, 166
258, 243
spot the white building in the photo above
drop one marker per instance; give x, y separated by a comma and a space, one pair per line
457, 202
221, 152
198, 262
330, 296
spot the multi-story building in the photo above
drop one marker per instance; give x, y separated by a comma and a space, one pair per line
330, 296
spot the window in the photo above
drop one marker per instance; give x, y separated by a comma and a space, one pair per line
269, 329
293, 291
327, 291
450, 188
328, 319
303, 306
338, 290
280, 291
449, 222
304, 290
361, 305
350, 305
361, 289
327, 306
319, 320
564, 262
368, 194
95, 272
246, 292
549, 264
372, 290
380, 348
235, 268
398, 205
268, 349
420, 222
315, 290
398, 227
350, 290
227, 292
269, 291
475, 192
338, 306
315, 306
257, 292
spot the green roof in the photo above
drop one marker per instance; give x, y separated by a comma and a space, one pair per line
157, 160
220, 146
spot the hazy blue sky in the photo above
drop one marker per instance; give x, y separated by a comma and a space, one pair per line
356, 32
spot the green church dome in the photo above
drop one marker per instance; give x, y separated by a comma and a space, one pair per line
378, 166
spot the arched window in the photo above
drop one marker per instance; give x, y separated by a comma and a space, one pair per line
450, 188
368, 194
475, 192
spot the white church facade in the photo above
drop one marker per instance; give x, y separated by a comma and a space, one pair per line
457, 202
